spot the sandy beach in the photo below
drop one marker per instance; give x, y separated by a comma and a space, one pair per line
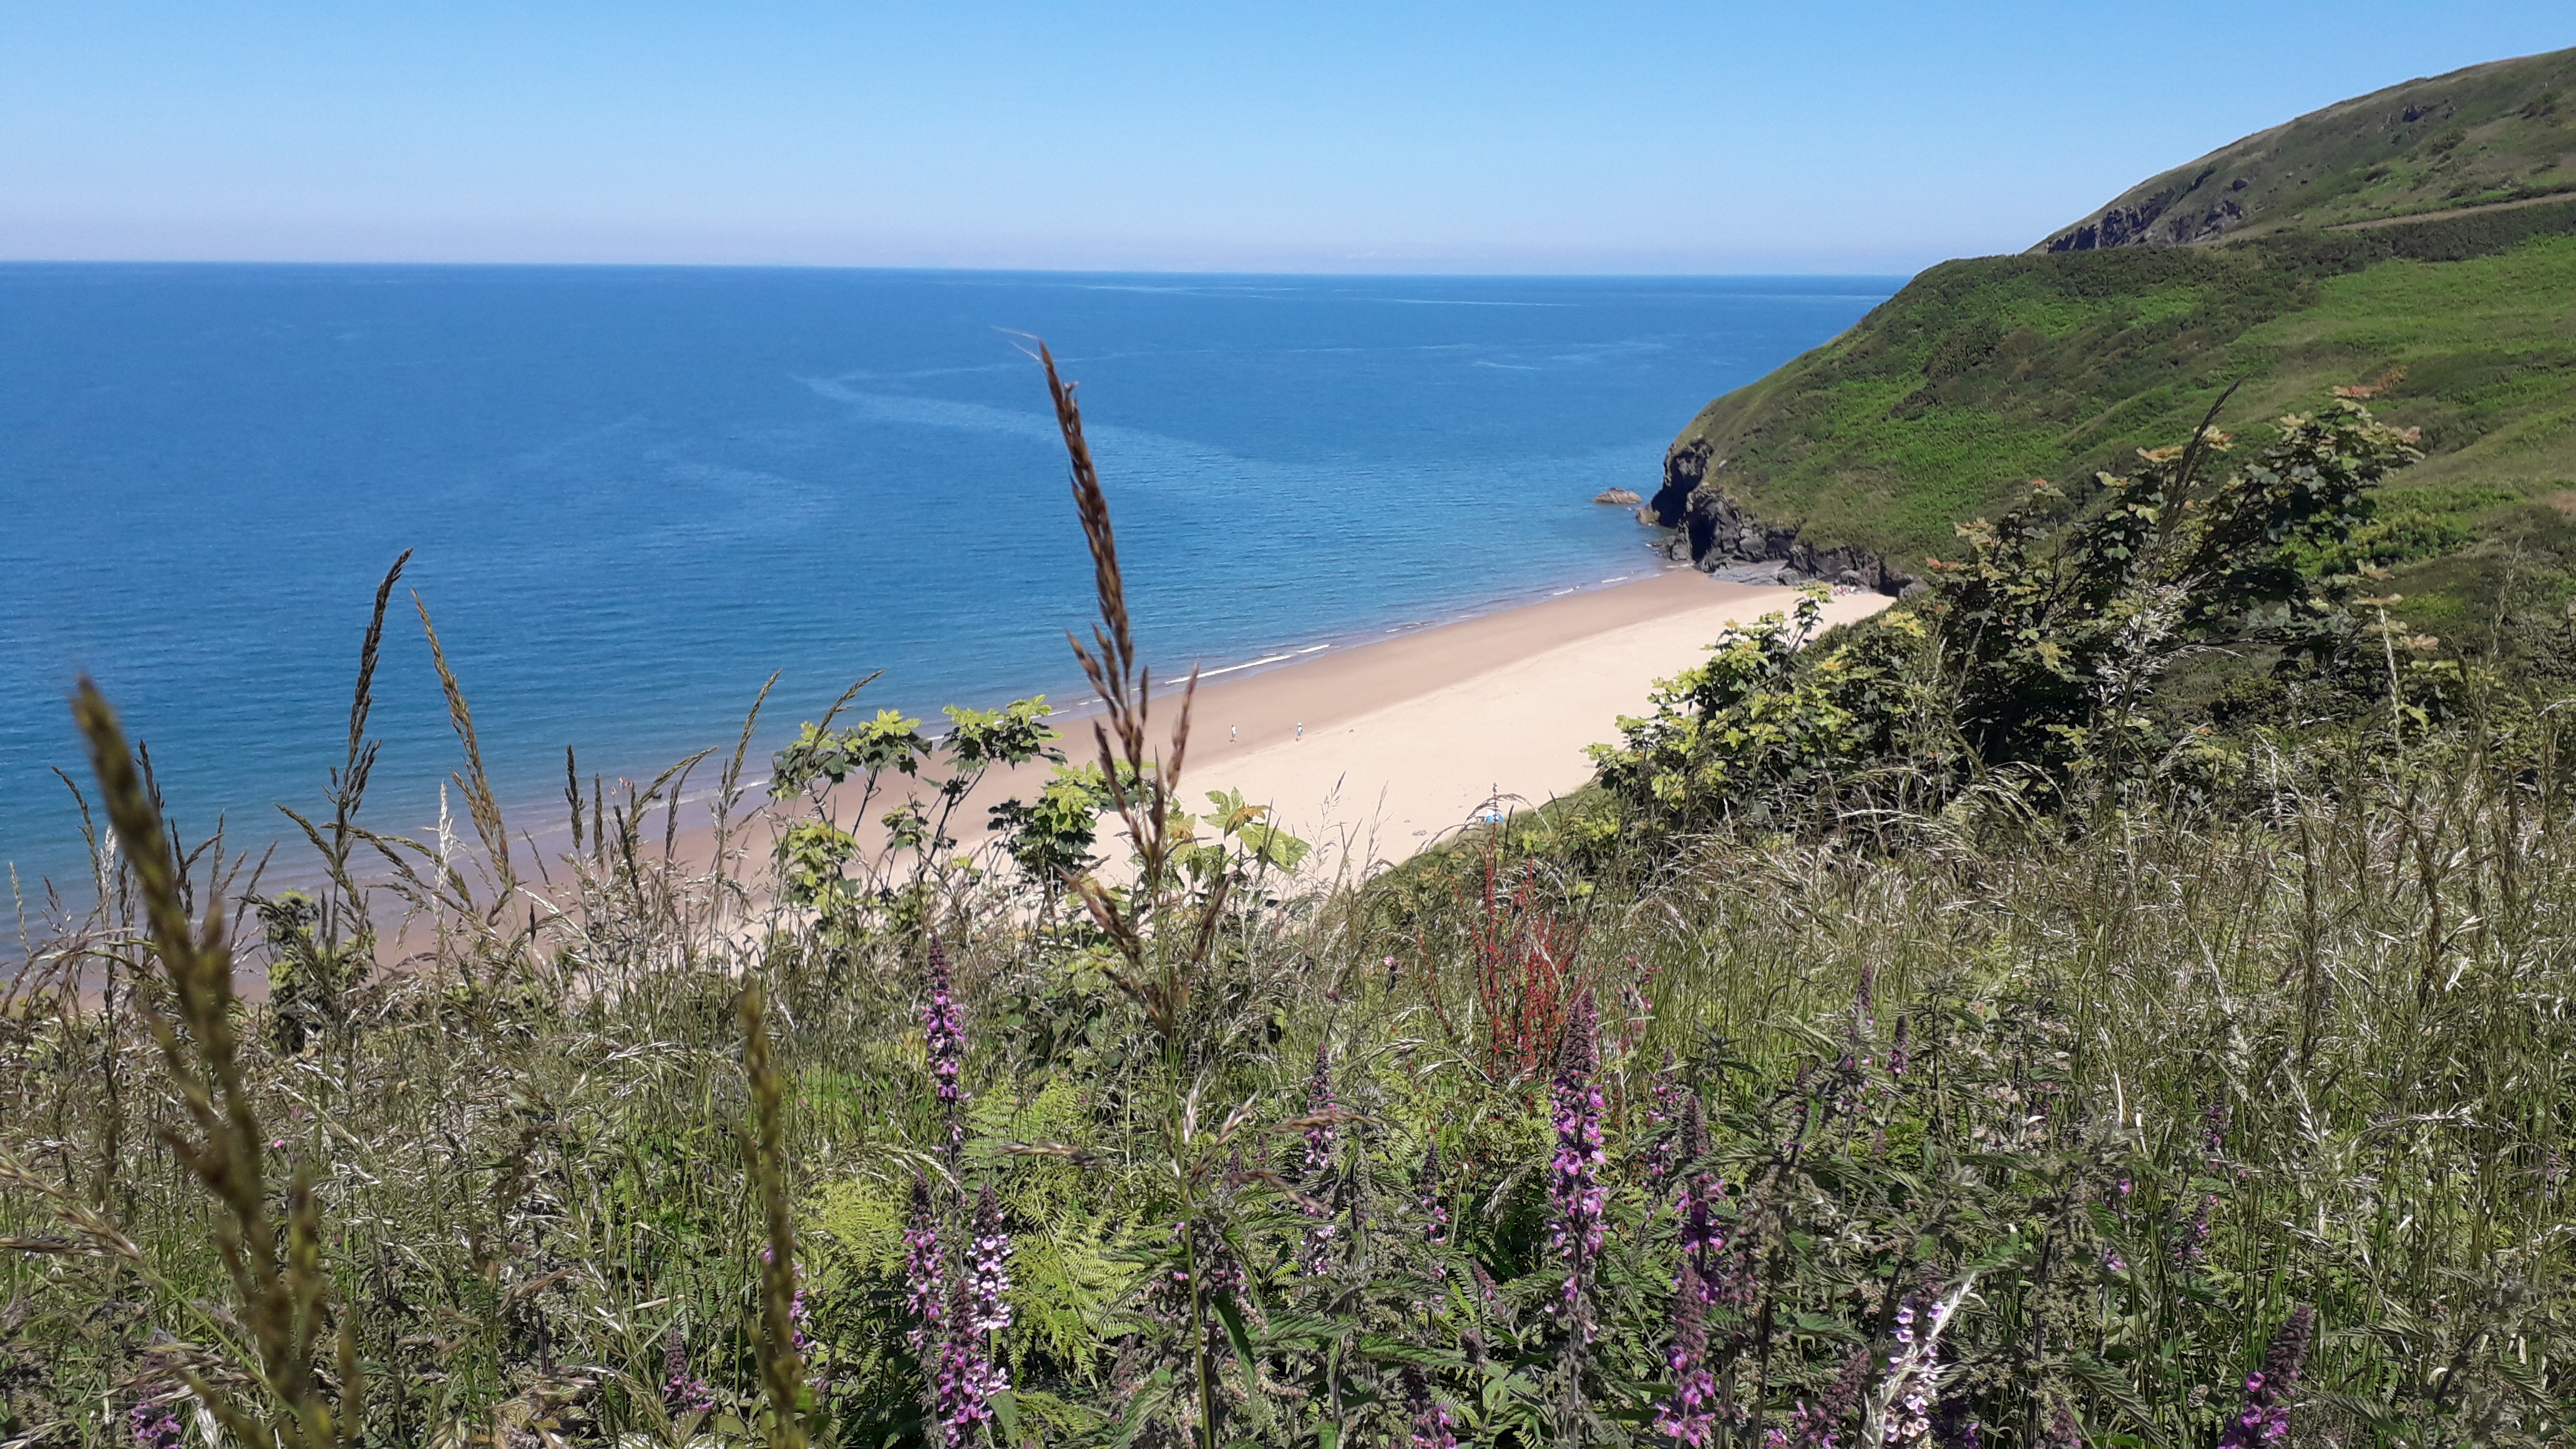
1374, 750
1409, 737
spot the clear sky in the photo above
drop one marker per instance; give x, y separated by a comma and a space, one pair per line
1789, 135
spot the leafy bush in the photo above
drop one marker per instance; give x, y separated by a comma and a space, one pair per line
2043, 647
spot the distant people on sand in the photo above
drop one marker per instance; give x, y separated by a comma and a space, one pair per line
1301, 729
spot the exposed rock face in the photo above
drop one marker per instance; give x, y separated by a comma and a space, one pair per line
2151, 225
1718, 535
1617, 497
1685, 464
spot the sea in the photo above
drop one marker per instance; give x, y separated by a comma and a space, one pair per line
630, 495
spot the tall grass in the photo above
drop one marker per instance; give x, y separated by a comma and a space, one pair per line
2051, 1125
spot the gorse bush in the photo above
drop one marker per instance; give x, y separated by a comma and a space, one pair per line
1930, 1119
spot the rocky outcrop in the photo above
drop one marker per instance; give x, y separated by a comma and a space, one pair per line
1716, 534
2123, 226
1617, 497
1685, 465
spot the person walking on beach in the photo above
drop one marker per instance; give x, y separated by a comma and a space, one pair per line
1301, 729
1232, 732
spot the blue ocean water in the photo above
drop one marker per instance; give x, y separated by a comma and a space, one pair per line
634, 492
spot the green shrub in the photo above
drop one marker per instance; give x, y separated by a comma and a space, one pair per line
2041, 647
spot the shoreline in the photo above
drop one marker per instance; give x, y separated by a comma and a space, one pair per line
1371, 747
1069, 717
1406, 739
1376, 749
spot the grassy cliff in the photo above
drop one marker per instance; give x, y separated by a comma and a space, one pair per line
2497, 133
1984, 373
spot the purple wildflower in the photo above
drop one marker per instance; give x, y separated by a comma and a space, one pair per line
1819, 1426
797, 1317
1897, 1059
944, 1033
153, 1426
2265, 1417
1319, 1109
1703, 1238
988, 1275
1910, 1397
1434, 1427
1689, 1416
963, 1385
924, 1277
2192, 1241
1574, 1187
1664, 1095
1317, 1162
1220, 1276
1954, 1428
1219, 1271
683, 1392
1435, 1213
2213, 1129
2063, 1428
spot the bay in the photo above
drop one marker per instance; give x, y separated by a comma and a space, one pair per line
632, 493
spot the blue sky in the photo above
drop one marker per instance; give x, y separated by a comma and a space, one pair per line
1602, 137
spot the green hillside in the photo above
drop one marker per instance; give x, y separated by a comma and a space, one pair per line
2494, 133
1985, 373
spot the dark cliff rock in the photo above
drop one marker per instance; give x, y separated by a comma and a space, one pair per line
1715, 533
2138, 225
1685, 464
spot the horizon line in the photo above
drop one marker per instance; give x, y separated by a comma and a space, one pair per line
986, 269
